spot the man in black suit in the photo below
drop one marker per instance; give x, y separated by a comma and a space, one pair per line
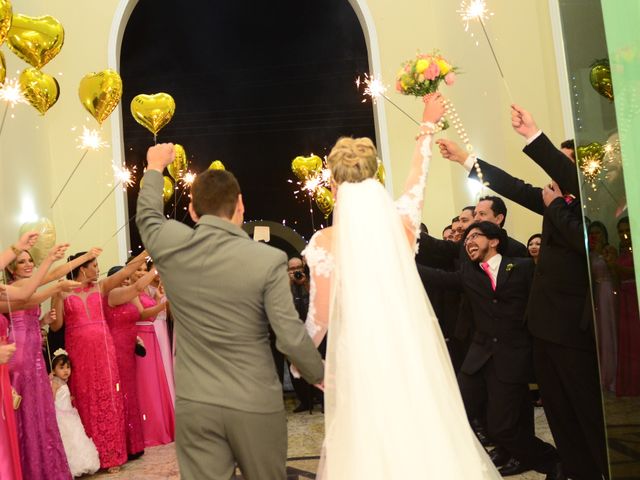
559, 313
499, 361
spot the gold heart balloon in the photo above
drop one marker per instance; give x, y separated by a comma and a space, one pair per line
179, 166
40, 90
36, 40
305, 167
167, 189
324, 200
216, 165
46, 239
6, 15
594, 150
153, 111
3, 69
600, 78
381, 173
100, 93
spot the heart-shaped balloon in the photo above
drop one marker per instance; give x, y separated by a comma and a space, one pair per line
36, 40
216, 165
46, 239
167, 189
3, 69
324, 200
600, 78
153, 111
6, 15
381, 173
593, 150
179, 166
100, 93
40, 90
305, 167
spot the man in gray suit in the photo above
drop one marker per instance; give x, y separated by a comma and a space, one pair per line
224, 289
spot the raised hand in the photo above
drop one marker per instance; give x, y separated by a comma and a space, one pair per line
67, 286
550, 193
95, 252
452, 151
6, 352
433, 108
49, 317
160, 155
27, 240
522, 121
57, 252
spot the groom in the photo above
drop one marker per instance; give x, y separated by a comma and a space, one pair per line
225, 290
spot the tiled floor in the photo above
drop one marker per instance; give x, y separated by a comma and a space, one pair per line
305, 438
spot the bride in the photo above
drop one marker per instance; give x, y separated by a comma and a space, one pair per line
392, 405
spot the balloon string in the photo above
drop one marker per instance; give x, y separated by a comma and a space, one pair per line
84, 154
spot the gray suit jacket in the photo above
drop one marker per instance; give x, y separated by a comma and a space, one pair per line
224, 290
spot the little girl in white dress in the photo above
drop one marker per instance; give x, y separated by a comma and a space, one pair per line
80, 449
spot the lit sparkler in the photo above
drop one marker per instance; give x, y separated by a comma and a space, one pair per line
90, 140
11, 93
591, 168
188, 178
124, 177
373, 88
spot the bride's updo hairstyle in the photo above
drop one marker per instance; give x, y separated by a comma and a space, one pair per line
353, 160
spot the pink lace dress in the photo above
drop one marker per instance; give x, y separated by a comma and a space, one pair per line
9, 452
41, 450
122, 323
95, 383
156, 404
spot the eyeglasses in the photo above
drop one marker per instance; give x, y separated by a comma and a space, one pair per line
473, 236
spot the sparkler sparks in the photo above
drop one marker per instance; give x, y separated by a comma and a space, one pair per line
90, 139
11, 92
473, 10
373, 87
124, 176
188, 178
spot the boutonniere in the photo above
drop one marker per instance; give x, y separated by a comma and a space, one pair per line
510, 267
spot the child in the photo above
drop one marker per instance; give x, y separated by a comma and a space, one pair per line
81, 452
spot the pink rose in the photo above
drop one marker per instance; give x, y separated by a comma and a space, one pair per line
432, 71
450, 78
399, 86
407, 68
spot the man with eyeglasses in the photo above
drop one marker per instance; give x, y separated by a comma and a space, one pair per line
498, 365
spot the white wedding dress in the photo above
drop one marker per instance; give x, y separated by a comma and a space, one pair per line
393, 409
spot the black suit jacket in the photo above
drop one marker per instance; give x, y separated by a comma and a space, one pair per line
498, 315
559, 309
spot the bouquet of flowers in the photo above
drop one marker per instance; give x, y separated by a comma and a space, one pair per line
423, 75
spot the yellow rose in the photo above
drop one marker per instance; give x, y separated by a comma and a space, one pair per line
422, 65
407, 81
444, 66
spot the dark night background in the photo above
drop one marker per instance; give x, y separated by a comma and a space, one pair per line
255, 84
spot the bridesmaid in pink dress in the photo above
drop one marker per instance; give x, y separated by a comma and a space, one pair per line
95, 383
9, 453
162, 334
154, 396
122, 311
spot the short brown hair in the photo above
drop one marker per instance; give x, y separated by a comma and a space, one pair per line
215, 192
353, 160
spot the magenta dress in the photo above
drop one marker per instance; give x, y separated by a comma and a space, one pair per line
162, 334
156, 404
9, 451
122, 323
95, 382
42, 453
628, 378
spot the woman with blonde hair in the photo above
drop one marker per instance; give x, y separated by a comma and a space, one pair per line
392, 404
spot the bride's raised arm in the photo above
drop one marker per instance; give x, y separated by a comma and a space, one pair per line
410, 203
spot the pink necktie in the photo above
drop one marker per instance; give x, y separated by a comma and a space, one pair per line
485, 267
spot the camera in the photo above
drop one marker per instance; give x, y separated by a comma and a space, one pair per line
298, 275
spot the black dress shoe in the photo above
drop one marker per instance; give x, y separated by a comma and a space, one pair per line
499, 456
555, 472
513, 467
481, 432
302, 408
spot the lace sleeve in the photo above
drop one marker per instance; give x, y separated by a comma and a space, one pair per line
320, 263
409, 205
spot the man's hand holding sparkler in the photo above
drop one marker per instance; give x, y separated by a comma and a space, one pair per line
159, 156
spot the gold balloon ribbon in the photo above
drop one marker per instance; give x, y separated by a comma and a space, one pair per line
40, 90
36, 40
100, 93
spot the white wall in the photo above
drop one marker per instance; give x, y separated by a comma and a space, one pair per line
37, 154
